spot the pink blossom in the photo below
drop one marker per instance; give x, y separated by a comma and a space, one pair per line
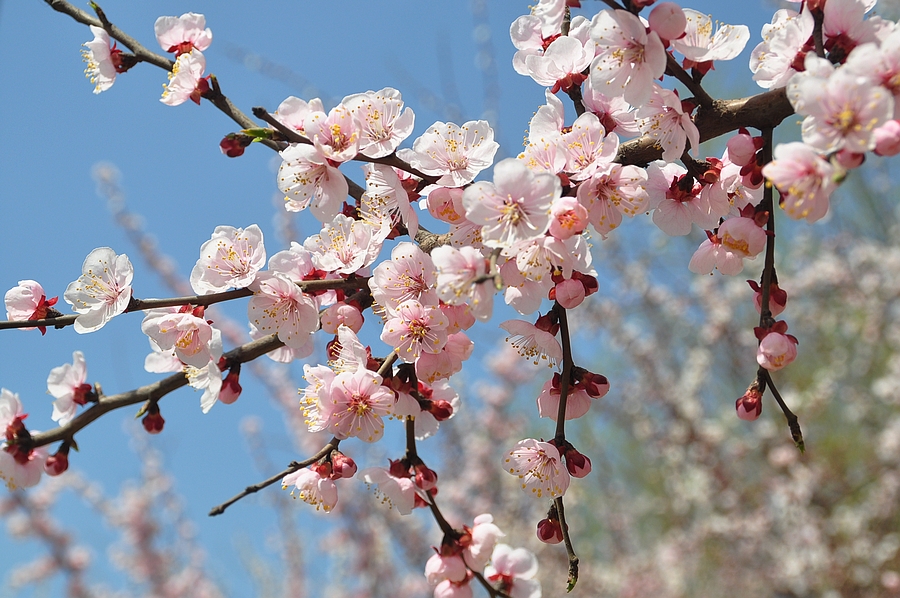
409, 274
309, 180
385, 203
780, 55
335, 135
454, 153
742, 148
804, 180
312, 398
67, 384
397, 493
27, 301
103, 60
431, 367
18, 468
384, 123
628, 58
777, 297
749, 406
284, 354
102, 291
209, 377
183, 330
577, 402
842, 109
523, 294
587, 147
560, 65
680, 204
341, 314
887, 138
485, 535
663, 118
539, 467
344, 246
230, 258
880, 63
515, 207
356, 403
712, 255
416, 328
700, 44
445, 203
457, 271
742, 236
452, 589
292, 112
615, 114
439, 568
186, 81
513, 571
183, 34
569, 218
776, 350
612, 192
312, 488
533, 343
278, 306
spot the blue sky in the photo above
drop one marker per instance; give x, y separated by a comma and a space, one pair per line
175, 177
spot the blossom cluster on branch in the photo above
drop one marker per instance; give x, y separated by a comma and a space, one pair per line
523, 233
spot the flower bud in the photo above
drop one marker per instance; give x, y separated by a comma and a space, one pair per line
668, 21
342, 466
57, 462
441, 409
578, 465
749, 406
153, 422
231, 385
549, 531
569, 293
742, 149
887, 139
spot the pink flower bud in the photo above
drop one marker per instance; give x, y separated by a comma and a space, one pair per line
595, 385
341, 313
749, 406
569, 218
549, 531
887, 139
231, 386
569, 293
153, 422
58, 462
342, 466
848, 160
446, 204
777, 297
668, 20
577, 464
441, 409
426, 478
742, 149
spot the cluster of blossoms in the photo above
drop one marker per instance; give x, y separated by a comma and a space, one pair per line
524, 233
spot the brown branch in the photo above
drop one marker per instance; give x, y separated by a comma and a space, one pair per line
674, 69
294, 466
570, 550
206, 300
150, 392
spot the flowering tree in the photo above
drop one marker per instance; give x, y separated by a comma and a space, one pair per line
376, 269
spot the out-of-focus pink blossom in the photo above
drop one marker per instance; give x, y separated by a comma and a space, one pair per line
397, 493
19, 468
512, 571
887, 138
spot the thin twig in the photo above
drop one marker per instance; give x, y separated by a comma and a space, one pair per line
294, 466
675, 70
570, 550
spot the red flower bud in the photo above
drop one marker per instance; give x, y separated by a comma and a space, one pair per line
549, 531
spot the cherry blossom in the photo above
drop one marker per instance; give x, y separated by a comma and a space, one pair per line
776, 349
451, 567
628, 58
416, 328
539, 467
409, 274
183, 34
103, 60
341, 314
384, 123
560, 66
663, 118
292, 112
445, 204
67, 384
183, 330
18, 468
186, 81
454, 153
700, 44
712, 255
513, 208
278, 306
231, 258
309, 180
485, 535
208, 379
284, 354
612, 192
312, 488
385, 203
587, 147
335, 135
785, 43
457, 271
355, 405
513, 571
344, 246
397, 493
532, 342
27, 301
102, 291
615, 114
804, 179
